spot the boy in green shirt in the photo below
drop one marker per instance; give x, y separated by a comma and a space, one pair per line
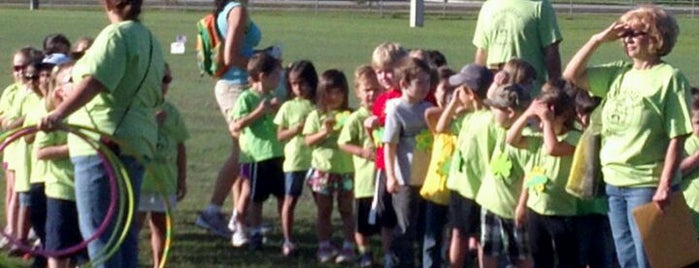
261, 154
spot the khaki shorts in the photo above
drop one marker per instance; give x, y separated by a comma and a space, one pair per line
226, 96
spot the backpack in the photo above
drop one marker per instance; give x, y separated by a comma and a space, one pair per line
210, 46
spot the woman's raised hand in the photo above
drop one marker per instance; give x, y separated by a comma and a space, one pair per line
611, 33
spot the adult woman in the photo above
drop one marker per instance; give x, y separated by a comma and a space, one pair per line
644, 120
241, 36
116, 91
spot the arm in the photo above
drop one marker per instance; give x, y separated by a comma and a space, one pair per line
514, 134
285, 134
448, 114
577, 66
237, 22
52, 152
181, 171
481, 57
672, 162
81, 94
552, 145
552, 59
389, 159
521, 210
689, 163
432, 117
242, 122
320, 136
12, 124
356, 150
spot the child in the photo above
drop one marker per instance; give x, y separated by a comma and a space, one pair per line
594, 234
502, 184
688, 167
356, 140
407, 143
385, 60
261, 154
544, 206
434, 189
52, 151
303, 81
331, 172
474, 146
165, 183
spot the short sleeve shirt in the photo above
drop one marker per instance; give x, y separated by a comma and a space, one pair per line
327, 156
380, 109
353, 132
118, 59
643, 110
406, 127
258, 140
690, 182
297, 155
59, 171
163, 174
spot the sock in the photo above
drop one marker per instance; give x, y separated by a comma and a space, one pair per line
212, 209
362, 249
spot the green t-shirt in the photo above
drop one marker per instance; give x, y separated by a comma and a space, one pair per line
118, 60
258, 140
7, 100
326, 156
353, 132
162, 174
643, 110
502, 184
690, 182
27, 101
546, 178
36, 111
474, 147
297, 155
59, 171
521, 29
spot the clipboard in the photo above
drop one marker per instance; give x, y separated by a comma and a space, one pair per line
668, 236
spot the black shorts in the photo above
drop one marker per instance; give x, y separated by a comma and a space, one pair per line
363, 207
385, 202
266, 178
465, 214
62, 229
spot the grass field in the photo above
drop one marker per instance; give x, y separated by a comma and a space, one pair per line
330, 40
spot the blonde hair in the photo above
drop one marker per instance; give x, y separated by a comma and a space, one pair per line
54, 83
363, 73
659, 25
387, 55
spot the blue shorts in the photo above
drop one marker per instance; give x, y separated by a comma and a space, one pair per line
293, 183
23, 199
62, 230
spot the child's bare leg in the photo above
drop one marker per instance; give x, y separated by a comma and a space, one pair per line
324, 204
11, 203
58, 263
243, 201
386, 239
489, 262
288, 216
158, 227
344, 205
255, 216
458, 249
140, 219
526, 263
236, 190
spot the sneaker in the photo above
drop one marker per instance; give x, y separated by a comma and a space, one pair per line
346, 256
239, 238
232, 223
325, 254
389, 261
5, 243
288, 249
366, 260
256, 241
215, 223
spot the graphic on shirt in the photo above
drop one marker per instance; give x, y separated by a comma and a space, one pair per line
501, 166
537, 179
505, 22
340, 119
621, 111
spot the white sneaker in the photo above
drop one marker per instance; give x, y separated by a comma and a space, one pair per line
232, 222
239, 238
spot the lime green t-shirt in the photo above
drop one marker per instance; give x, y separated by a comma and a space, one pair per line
644, 109
37, 168
474, 147
8, 97
11, 103
521, 29
258, 140
118, 59
353, 132
26, 101
546, 177
327, 156
502, 184
690, 182
59, 171
163, 173
297, 155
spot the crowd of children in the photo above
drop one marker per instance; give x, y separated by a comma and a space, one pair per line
448, 168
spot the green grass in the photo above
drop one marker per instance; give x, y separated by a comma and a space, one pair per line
330, 40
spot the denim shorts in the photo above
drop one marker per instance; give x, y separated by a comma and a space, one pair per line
61, 231
293, 183
154, 202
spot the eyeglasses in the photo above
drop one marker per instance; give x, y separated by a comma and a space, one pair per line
633, 34
18, 68
31, 76
167, 79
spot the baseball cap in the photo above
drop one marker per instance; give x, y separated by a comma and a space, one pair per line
56, 59
474, 76
509, 96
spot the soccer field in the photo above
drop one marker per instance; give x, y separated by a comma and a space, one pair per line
329, 39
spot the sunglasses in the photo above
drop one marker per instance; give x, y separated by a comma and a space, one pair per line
633, 34
18, 68
167, 79
31, 76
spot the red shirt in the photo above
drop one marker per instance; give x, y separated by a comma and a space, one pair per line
379, 110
